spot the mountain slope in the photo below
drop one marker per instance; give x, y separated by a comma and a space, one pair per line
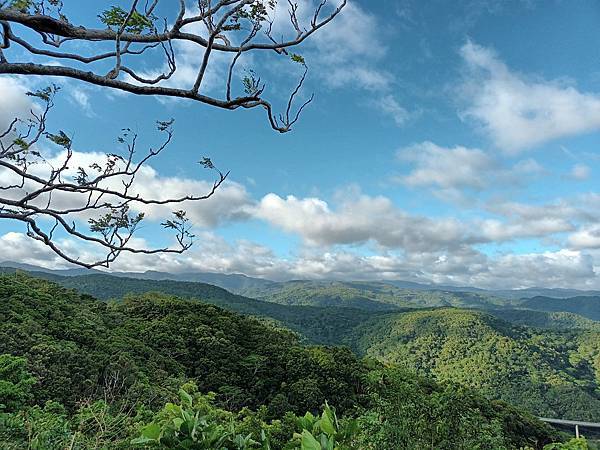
551, 373
373, 296
546, 319
103, 368
153, 342
319, 325
587, 306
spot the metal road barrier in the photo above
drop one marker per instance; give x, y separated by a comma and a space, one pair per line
574, 423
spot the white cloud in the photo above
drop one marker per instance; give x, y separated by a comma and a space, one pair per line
586, 238
228, 203
454, 172
359, 219
520, 112
81, 98
498, 231
388, 105
461, 266
14, 104
562, 268
349, 49
457, 167
580, 172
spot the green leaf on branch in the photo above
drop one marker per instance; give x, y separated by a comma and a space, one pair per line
60, 139
298, 59
21, 5
116, 17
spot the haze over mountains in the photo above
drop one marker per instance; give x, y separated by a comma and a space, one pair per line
243, 284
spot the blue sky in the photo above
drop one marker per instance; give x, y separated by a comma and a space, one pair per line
449, 142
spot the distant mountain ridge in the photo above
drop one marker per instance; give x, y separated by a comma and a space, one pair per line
259, 287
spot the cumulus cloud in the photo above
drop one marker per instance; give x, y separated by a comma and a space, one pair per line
14, 101
562, 268
588, 237
358, 219
229, 203
519, 111
465, 266
580, 172
450, 171
457, 167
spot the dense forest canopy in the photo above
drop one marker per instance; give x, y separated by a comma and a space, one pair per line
97, 373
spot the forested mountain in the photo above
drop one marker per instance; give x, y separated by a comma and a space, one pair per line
546, 319
156, 339
588, 306
368, 295
553, 373
83, 373
318, 325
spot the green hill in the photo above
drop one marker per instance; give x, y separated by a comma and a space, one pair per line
317, 325
156, 340
545, 319
587, 306
84, 373
368, 295
549, 372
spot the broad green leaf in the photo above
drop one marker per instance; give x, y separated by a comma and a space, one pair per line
141, 440
327, 424
177, 421
186, 399
308, 442
151, 431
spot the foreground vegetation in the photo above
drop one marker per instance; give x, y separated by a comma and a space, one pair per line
80, 373
550, 368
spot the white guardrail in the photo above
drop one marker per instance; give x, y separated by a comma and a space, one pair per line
575, 423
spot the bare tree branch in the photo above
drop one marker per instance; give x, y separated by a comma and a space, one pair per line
99, 194
134, 32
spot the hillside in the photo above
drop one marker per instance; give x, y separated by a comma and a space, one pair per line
89, 373
318, 325
552, 373
372, 296
546, 319
587, 306
156, 339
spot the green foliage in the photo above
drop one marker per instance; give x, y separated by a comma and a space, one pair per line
370, 296
116, 220
151, 343
325, 432
21, 5
546, 319
251, 83
298, 59
116, 16
410, 412
550, 373
318, 325
195, 423
573, 444
45, 94
584, 306
60, 139
15, 382
36, 428
114, 365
